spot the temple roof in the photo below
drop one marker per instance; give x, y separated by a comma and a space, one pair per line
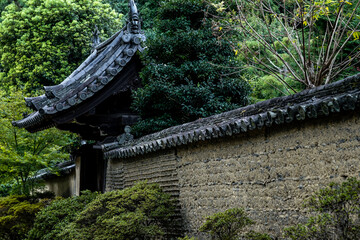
322, 101
64, 169
106, 62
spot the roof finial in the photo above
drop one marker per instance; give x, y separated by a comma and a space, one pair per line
95, 38
134, 17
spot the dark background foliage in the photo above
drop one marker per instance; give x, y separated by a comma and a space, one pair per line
188, 71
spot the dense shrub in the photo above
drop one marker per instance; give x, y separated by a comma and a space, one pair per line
337, 209
17, 214
142, 211
229, 225
51, 220
226, 225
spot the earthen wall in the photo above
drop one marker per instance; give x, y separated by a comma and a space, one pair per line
64, 186
268, 172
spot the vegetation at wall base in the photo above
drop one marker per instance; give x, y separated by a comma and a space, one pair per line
17, 214
226, 225
337, 209
51, 220
142, 211
231, 225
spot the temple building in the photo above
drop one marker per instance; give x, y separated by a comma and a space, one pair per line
94, 101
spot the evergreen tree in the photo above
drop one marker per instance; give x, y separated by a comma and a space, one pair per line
146, 8
188, 71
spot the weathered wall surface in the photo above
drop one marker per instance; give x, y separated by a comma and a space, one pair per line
155, 168
269, 172
64, 186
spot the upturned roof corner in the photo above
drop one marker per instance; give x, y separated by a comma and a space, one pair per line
105, 63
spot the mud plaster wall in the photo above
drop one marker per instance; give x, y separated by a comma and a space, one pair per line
268, 172
64, 186
155, 168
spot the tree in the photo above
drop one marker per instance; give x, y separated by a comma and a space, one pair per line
4, 3
147, 10
22, 153
42, 42
337, 209
311, 42
120, 6
188, 72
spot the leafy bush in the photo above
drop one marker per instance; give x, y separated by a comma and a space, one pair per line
337, 208
229, 225
226, 225
51, 220
17, 214
142, 211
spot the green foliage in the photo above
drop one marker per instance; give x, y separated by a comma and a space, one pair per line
5, 189
22, 153
120, 6
257, 236
187, 238
230, 225
42, 42
5, 3
17, 214
187, 72
337, 208
310, 42
267, 87
142, 212
226, 225
146, 8
51, 220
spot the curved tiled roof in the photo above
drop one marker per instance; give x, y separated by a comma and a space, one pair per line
64, 169
105, 62
340, 96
